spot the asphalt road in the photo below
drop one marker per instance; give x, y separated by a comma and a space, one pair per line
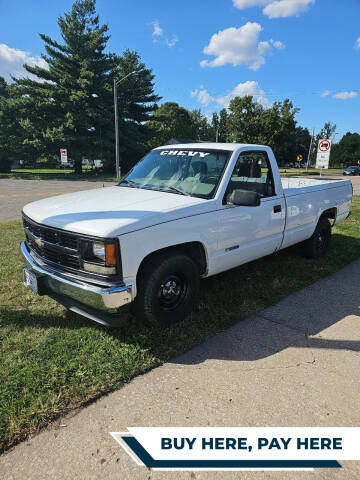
15, 193
294, 364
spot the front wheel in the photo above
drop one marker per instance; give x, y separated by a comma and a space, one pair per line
168, 287
318, 244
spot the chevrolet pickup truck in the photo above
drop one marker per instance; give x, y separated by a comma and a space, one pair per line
183, 212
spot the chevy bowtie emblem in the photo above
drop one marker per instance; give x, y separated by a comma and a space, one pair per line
39, 242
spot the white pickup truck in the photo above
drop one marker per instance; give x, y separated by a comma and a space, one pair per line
183, 212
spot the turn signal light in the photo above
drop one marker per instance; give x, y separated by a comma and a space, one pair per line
110, 255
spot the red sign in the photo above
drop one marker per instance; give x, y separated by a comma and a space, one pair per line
324, 145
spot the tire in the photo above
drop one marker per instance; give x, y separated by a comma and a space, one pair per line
318, 244
167, 289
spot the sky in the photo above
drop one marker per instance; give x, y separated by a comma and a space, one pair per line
204, 52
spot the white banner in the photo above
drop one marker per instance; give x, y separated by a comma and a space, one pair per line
253, 447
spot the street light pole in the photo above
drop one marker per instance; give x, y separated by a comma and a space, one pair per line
311, 142
116, 114
117, 167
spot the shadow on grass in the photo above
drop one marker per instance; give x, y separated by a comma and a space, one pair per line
229, 298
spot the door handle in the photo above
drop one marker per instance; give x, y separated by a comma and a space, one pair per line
277, 208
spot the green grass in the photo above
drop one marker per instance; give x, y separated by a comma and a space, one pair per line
310, 171
52, 361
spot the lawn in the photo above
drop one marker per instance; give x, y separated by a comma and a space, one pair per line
68, 174
52, 361
310, 171
57, 174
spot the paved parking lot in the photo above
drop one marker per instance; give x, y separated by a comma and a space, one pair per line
14, 193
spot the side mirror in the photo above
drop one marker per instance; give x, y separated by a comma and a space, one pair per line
246, 198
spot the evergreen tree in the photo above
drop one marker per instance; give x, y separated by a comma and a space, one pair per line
136, 103
71, 105
8, 127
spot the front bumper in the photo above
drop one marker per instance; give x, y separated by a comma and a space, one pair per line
95, 302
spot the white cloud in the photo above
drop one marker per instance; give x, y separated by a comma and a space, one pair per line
158, 35
239, 46
277, 44
357, 43
249, 87
12, 60
157, 30
277, 8
286, 8
325, 93
173, 41
240, 4
202, 96
345, 95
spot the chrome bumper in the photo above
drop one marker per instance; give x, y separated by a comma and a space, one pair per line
83, 298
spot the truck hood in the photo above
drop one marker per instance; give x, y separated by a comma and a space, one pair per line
112, 211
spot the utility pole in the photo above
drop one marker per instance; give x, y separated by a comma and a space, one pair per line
116, 114
310, 146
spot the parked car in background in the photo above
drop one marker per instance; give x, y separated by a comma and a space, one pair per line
353, 170
67, 164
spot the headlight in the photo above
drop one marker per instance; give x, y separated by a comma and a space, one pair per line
98, 249
100, 257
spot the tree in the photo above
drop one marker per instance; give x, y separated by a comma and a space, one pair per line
170, 121
202, 130
8, 140
244, 123
219, 125
327, 131
250, 122
72, 104
347, 151
136, 103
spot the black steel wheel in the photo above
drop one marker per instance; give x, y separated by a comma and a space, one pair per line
318, 244
167, 289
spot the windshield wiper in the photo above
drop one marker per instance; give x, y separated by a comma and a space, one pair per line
177, 190
129, 182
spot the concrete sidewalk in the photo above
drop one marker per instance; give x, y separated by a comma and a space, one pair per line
294, 364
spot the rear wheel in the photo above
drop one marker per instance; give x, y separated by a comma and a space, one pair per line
318, 244
168, 287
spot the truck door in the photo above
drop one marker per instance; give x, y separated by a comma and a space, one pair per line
247, 233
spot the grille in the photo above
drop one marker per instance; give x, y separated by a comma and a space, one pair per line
52, 244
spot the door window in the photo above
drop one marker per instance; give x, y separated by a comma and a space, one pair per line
252, 172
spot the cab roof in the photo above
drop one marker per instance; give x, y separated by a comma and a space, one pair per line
209, 145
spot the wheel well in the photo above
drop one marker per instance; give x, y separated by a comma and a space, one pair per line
330, 213
195, 250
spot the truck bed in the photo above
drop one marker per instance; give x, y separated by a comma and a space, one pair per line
292, 185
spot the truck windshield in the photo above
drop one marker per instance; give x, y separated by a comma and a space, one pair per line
195, 172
